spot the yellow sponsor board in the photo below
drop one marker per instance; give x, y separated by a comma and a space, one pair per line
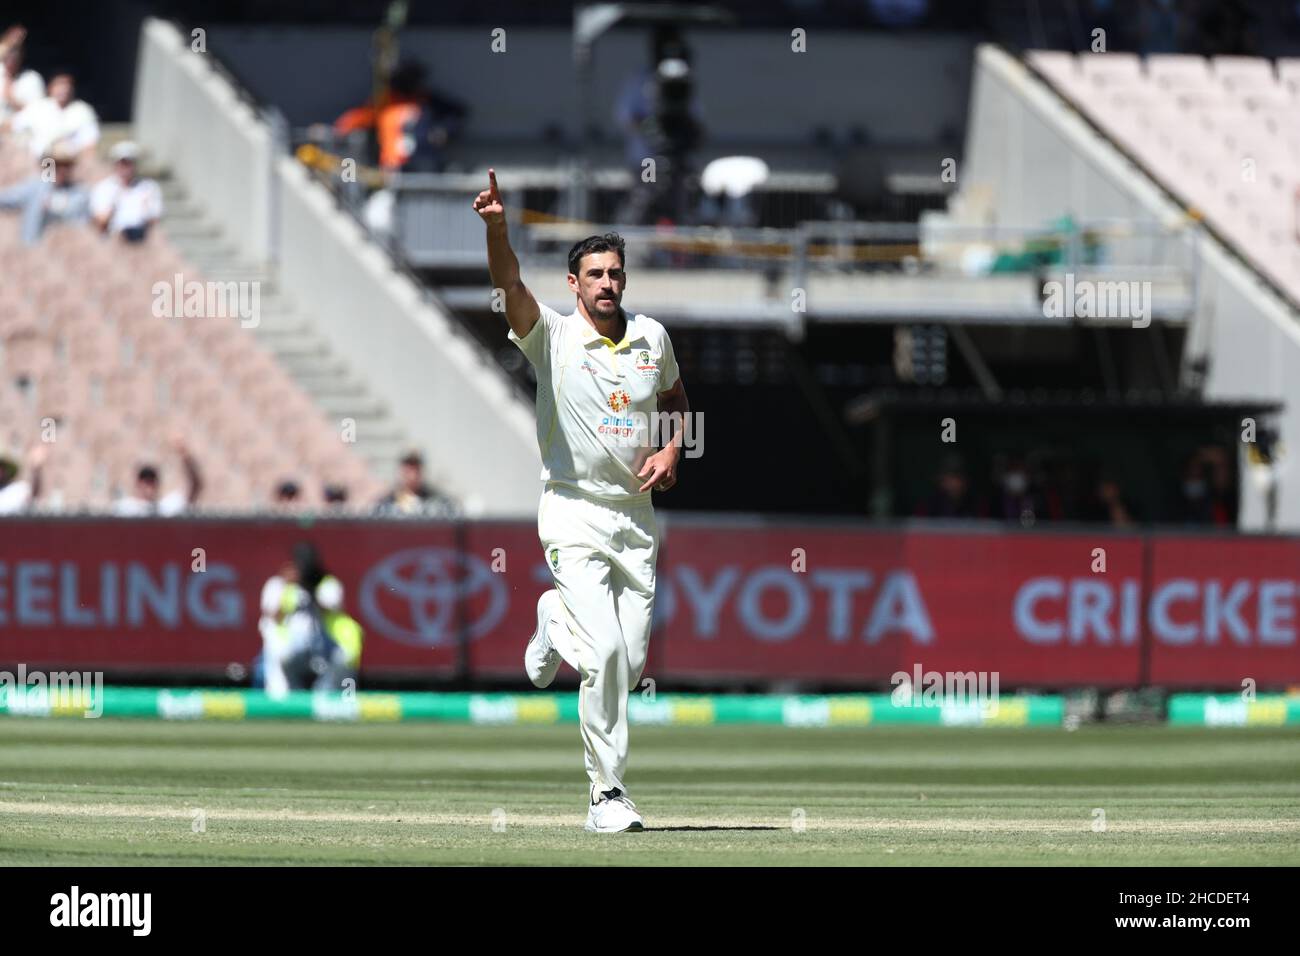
70, 703
850, 712
380, 707
1266, 713
692, 711
223, 706
1006, 713
537, 710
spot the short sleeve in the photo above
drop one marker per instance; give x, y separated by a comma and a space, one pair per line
154, 203
130, 507
668, 372
87, 131
22, 120
102, 197
173, 503
14, 497
272, 593
329, 593
28, 88
536, 345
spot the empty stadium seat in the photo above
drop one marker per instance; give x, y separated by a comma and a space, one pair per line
81, 347
1221, 134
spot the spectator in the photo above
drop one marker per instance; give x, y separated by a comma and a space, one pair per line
126, 204
1207, 495
287, 495
1223, 490
634, 108
58, 119
1016, 500
43, 199
1108, 505
147, 500
952, 497
336, 497
412, 496
270, 625
16, 495
412, 122
660, 120
308, 642
1194, 501
19, 88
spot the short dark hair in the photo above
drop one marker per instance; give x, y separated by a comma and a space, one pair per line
147, 473
609, 242
412, 458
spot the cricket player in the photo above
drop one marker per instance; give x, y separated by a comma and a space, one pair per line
603, 378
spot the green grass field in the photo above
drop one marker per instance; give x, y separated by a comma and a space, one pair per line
79, 792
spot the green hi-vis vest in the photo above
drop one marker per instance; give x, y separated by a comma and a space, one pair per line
347, 635
342, 628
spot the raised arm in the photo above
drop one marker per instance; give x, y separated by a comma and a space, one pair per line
193, 474
521, 308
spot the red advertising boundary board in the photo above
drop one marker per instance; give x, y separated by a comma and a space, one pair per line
751, 601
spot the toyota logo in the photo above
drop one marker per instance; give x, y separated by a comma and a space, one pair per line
411, 596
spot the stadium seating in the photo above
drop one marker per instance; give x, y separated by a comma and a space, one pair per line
1220, 134
81, 347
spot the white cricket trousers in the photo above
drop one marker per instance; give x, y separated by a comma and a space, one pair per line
602, 557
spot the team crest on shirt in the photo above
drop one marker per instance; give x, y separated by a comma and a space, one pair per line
555, 559
619, 400
646, 366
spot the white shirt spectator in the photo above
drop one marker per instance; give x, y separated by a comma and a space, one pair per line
128, 207
24, 89
46, 123
168, 505
14, 497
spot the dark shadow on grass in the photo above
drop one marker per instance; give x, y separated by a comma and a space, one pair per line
700, 829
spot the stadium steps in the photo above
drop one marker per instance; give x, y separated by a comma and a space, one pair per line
283, 332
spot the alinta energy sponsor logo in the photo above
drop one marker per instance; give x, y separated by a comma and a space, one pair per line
626, 429
208, 300
47, 693
639, 430
77, 909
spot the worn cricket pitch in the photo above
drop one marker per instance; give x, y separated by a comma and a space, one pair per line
88, 792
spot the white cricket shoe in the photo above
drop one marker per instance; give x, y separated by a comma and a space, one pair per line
541, 659
615, 813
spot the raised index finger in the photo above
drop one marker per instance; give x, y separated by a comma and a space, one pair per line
492, 179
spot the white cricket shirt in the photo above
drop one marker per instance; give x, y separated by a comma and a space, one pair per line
127, 207
597, 401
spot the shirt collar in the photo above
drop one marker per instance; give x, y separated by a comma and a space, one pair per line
590, 335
